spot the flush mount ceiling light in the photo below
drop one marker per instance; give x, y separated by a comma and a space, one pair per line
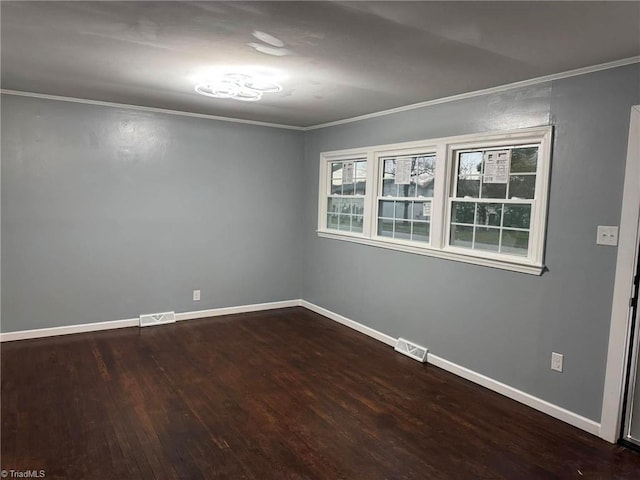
238, 86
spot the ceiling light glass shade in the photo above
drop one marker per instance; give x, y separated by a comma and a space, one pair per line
274, 51
248, 95
218, 89
263, 86
268, 38
238, 86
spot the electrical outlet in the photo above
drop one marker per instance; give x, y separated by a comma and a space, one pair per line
556, 361
607, 235
196, 295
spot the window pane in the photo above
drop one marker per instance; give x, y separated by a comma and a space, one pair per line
336, 178
420, 231
470, 164
345, 206
389, 168
462, 212
407, 190
515, 242
524, 159
386, 208
385, 228
461, 236
348, 178
468, 186
348, 188
522, 186
332, 221
422, 210
389, 188
333, 205
494, 190
424, 174
402, 229
403, 210
357, 206
489, 214
356, 223
487, 239
345, 223
517, 216
420, 181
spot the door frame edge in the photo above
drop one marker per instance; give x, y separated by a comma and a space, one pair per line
612, 400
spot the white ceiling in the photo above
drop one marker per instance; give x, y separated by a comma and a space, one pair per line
346, 58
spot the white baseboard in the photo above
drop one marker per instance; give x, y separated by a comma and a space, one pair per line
133, 322
383, 337
68, 329
256, 307
536, 403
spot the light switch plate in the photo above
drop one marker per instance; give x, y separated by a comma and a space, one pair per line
607, 235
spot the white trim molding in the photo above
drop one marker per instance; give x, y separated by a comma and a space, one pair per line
142, 108
487, 91
217, 312
476, 93
371, 332
68, 329
620, 311
536, 403
134, 322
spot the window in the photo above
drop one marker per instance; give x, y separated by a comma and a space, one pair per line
493, 212
476, 198
404, 197
345, 202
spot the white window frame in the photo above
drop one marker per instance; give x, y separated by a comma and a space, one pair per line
378, 164
445, 170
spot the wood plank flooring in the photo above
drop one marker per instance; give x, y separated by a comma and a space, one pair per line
283, 395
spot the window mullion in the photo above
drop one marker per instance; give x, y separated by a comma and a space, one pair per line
439, 200
371, 192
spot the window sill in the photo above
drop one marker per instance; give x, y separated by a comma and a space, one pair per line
514, 266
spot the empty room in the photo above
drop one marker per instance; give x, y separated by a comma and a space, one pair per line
320, 240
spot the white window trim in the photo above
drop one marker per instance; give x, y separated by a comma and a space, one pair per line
444, 149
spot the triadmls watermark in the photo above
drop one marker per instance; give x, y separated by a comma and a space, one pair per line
23, 473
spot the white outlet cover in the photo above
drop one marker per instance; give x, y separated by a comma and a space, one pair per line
607, 235
557, 360
196, 295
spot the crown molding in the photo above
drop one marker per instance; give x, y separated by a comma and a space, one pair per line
486, 91
146, 109
502, 88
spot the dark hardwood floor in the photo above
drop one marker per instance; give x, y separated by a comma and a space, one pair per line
284, 394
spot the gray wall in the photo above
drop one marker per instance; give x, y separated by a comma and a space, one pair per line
108, 213
499, 323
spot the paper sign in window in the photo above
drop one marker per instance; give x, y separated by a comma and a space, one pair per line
496, 166
426, 209
347, 172
403, 171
